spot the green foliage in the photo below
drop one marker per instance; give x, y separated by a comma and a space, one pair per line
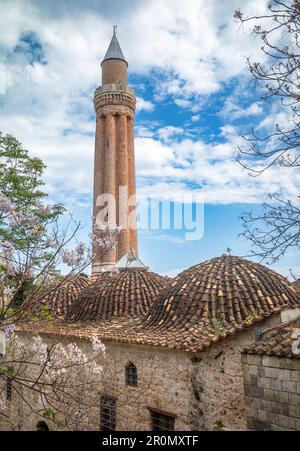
28, 227
252, 316
217, 325
6, 313
219, 424
51, 415
20, 174
48, 413
21, 182
7, 371
43, 314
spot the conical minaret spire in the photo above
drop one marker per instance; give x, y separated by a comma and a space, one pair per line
114, 167
114, 51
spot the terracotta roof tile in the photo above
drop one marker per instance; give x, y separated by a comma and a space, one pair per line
127, 292
221, 294
277, 341
201, 306
60, 295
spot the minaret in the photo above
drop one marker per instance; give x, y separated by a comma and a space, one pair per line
114, 165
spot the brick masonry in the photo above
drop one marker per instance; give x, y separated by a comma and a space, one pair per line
114, 164
272, 392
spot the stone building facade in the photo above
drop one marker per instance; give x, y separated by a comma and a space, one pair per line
271, 370
189, 371
173, 346
201, 391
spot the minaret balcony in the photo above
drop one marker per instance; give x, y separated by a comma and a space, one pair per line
114, 95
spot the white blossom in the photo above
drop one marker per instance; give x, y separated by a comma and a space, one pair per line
75, 257
97, 344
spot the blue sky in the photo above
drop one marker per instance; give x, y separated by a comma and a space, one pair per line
187, 63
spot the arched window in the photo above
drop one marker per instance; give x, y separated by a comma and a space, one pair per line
131, 376
42, 426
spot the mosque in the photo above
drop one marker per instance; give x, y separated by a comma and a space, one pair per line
184, 353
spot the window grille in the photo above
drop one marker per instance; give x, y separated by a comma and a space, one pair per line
162, 422
107, 414
131, 375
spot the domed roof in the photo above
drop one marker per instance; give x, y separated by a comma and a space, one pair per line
201, 306
215, 299
60, 294
126, 292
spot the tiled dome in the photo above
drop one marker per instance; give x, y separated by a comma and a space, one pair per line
126, 292
61, 294
201, 306
217, 298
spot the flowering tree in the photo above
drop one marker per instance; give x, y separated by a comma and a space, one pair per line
51, 380
32, 241
56, 381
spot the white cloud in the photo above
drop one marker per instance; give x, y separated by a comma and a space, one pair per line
144, 105
168, 132
172, 168
233, 111
186, 49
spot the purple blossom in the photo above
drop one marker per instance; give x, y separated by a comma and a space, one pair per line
52, 242
70, 258
5, 205
16, 218
81, 249
43, 210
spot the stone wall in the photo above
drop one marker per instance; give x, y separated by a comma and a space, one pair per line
218, 381
219, 384
163, 384
272, 392
203, 391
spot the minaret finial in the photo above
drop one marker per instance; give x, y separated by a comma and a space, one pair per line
115, 29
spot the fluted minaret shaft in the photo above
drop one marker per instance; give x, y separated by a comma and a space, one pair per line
132, 187
114, 171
